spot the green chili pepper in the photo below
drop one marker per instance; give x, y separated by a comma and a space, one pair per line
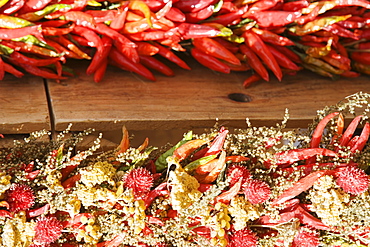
317, 24
201, 161
30, 39
38, 15
7, 21
5, 50
161, 162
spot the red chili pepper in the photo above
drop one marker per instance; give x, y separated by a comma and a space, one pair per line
259, 47
100, 55
361, 57
254, 62
230, 18
100, 71
350, 74
80, 18
274, 18
71, 181
349, 132
227, 196
71, 46
168, 54
282, 60
236, 158
33, 5
89, 35
153, 63
20, 58
291, 156
38, 211
191, 30
288, 53
251, 79
187, 148
102, 16
53, 31
146, 49
123, 62
5, 213
295, 5
39, 71
154, 194
62, 50
204, 187
337, 60
54, 23
10, 69
123, 44
193, 6
272, 38
12, 7
307, 219
363, 46
119, 21
174, 14
209, 61
319, 130
260, 6
215, 49
362, 140
8, 34
232, 47
300, 186
340, 31
196, 17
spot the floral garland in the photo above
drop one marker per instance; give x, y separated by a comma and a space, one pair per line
267, 186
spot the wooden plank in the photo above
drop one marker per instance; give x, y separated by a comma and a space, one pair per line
23, 105
191, 99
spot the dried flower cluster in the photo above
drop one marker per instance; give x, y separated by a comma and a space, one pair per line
249, 187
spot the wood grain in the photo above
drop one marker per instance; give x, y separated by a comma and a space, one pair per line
191, 99
23, 105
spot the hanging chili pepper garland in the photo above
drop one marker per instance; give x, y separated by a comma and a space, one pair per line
265, 186
262, 37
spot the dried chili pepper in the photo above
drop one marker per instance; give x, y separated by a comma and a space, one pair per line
215, 49
209, 61
251, 79
343, 141
254, 62
153, 63
261, 50
302, 185
168, 54
124, 63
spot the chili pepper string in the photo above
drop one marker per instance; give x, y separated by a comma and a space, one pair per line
262, 39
